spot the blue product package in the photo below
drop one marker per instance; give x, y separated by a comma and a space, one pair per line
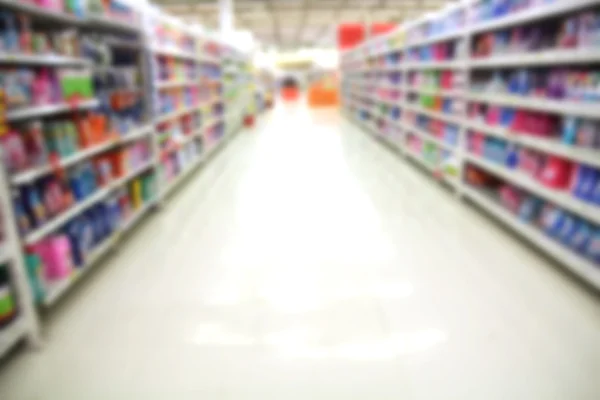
86, 237
567, 230
33, 204
530, 208
74, 233
507, 115
512, 157
579, 180
588, 184
570, 126
596, 193
552, 220
77, 185
581, 237
593, 246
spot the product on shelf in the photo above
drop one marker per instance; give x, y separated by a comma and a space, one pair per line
505, 101
568, 229
8, 308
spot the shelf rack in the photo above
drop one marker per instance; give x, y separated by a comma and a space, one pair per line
219, 118
387, 87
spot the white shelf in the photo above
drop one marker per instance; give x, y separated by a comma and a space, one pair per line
79, 207
137, 216
562, 198
452, 64
177, 114
177, 83
445, 37
548, 57
102, 21
42, 59
584, 155
33, 173
434, 91
357, 66
175, 182
434, 114
5, 255
124, 44
568, 258
428, 138
55, 290
589, 110
175, 52
212, 121
42, 111
12, 334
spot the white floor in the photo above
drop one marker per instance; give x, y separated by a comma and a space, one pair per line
308, 262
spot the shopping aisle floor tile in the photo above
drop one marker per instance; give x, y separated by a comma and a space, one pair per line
308, 262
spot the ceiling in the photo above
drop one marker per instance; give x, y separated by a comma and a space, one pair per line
291, 24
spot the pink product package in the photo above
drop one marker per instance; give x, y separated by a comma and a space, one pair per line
530, 162
493, 115
511, 198
477, 143
556, 173
54, 5
55, 254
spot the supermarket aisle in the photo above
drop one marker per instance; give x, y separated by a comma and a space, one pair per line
307, 262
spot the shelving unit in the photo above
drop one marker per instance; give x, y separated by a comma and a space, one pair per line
422, 88
139, 145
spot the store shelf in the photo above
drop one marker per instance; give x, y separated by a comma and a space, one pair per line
12, 334
5, 255
137, 215
589, 110
175, 182
452, 64
445, 37
562, 198
137, 133
543, 58
580, 266
434, 91
46, 110
174, 52
56, 290
587, 156
177, 114
532, 14
176, 83
451, 119
212, 121
113, 24
31, 174
42, 59
79, 207
124, 44
464, 66
426, 136
41, 13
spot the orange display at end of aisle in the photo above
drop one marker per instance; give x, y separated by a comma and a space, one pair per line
323, 96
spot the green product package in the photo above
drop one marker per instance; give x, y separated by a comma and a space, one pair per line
7, 302
34, 268
77, 86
